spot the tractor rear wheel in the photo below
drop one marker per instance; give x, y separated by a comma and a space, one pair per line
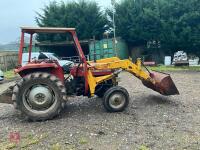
40, 96
116, 99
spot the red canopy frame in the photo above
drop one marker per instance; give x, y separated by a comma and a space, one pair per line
72, 31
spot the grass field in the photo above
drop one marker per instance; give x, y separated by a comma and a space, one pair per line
174, 68
9, 74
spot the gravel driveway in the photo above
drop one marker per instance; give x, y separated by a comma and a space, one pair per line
151, 121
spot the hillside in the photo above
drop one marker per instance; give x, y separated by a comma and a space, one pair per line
9, 47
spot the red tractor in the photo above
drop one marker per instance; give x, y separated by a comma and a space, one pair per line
44, 86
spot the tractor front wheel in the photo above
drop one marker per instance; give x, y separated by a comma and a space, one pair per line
116, 99
40, 96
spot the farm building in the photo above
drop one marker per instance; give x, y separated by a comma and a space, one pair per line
93, 49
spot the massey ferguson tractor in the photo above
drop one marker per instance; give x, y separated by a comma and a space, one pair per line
45, 86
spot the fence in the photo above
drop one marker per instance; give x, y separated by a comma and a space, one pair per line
8, 60
75, 59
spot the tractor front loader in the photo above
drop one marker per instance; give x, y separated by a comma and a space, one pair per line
45, 86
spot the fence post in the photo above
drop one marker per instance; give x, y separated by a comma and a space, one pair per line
4, 62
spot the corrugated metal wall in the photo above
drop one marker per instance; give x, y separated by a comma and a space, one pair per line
106, 48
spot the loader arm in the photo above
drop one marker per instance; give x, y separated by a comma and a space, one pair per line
127, 65
159, 82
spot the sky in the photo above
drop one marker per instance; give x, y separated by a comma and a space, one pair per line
16, 13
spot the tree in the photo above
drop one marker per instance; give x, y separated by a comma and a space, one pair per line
136, 21
86, 17
180, 25
174, 23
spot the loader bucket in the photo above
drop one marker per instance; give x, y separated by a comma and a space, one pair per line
163, 83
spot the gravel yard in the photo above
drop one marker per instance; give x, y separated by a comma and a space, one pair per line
151, 121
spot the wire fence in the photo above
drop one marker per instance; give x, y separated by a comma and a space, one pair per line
75, 59
8, 60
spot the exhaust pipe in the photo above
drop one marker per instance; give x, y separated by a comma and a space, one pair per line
162, 83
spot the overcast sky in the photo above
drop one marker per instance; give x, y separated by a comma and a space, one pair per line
16, 13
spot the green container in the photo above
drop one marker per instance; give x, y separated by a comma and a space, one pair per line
106, 48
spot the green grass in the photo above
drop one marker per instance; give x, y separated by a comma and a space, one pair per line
9, 74
25, 142
56, 146
83, 141
174, 68
143, 147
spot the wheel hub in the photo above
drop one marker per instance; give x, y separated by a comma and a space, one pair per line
40, 97
117, 100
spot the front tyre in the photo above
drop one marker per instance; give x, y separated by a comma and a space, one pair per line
40, 96
116, 99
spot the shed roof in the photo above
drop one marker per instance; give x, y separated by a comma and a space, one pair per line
46, 30
63, 43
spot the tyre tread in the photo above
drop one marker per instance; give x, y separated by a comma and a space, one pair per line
42, 75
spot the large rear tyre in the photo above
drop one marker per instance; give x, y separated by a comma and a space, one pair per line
40, 96
116, 99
